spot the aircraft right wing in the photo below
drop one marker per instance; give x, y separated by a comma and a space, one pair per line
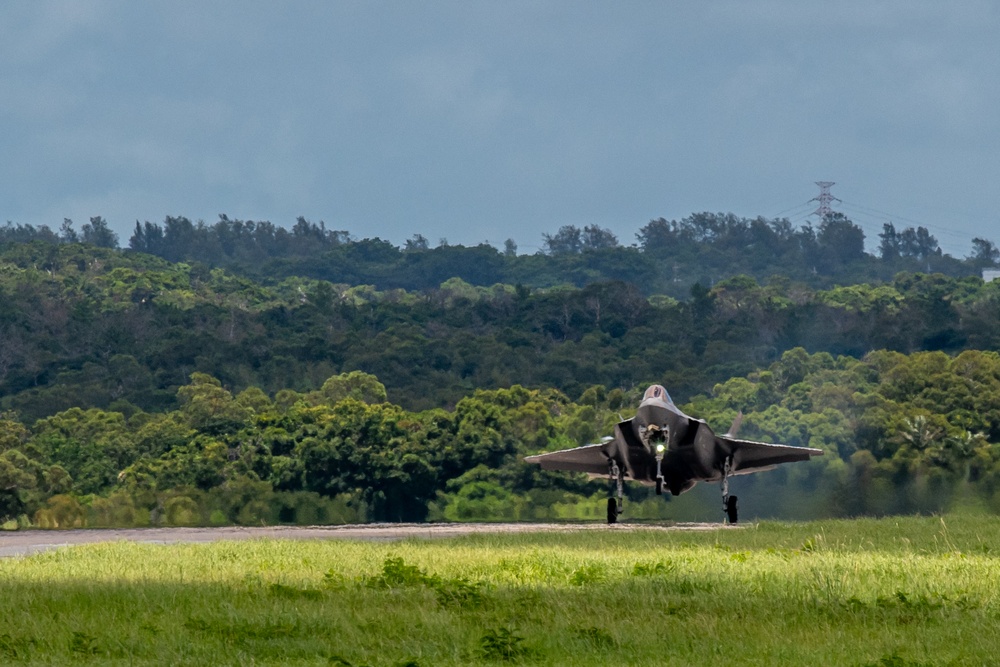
589, 458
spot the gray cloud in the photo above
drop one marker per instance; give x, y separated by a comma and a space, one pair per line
477, 121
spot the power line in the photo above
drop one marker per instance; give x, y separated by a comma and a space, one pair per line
871, 220
889, 217
807, 204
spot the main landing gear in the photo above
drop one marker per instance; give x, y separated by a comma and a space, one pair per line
616, 482
729, 503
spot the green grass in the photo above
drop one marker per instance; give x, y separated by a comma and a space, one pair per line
900, 591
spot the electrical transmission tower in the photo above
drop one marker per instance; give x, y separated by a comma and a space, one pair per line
824, 199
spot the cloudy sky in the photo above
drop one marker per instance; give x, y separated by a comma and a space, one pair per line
481, 121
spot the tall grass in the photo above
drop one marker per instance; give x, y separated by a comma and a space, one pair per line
899, 591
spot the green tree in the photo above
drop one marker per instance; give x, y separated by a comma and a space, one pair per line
840, 241
93, 446
97, 233
17, 480
209, 408
984, 254
355, 385
889, 243
567, 241
371, 452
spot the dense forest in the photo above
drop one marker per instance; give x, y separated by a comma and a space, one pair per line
92, 327
901, 433
316, 378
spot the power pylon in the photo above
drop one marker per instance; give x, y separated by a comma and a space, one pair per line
824, 199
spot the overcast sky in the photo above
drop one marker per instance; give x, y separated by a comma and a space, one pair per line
482, 121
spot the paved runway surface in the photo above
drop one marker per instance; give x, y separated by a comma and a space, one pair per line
25, 542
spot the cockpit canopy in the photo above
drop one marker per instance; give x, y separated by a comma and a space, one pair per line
657, 391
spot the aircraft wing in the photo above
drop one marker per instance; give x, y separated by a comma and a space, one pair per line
750, 456
589, 458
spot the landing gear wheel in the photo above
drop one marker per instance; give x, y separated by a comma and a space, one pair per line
612, 511
731, 510
659, 487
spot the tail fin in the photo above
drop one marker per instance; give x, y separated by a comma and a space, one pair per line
735, 428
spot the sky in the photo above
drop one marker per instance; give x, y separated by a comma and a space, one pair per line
482, 121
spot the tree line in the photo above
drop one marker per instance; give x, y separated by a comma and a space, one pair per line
667, 257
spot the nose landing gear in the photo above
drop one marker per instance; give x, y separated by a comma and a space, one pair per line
659, 469
657, 438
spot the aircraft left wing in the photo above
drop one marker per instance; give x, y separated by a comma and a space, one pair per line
589, 458
751, 456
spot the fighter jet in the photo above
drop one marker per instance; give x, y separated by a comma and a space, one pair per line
664, 447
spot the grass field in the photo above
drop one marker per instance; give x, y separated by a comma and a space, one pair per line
899, 591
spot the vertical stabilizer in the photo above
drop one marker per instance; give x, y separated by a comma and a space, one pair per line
735, 428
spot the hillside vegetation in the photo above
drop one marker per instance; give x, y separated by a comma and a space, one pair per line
138, 390
901, 434
90, 327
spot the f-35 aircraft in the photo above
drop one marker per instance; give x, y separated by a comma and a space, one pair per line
664, 447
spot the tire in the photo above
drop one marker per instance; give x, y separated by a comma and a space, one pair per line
732, 511
612, 511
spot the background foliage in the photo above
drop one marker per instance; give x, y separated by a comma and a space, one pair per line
901, 433
141, 389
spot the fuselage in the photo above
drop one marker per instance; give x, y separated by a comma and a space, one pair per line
687, 447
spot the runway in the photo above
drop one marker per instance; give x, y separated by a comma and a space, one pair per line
26, 542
